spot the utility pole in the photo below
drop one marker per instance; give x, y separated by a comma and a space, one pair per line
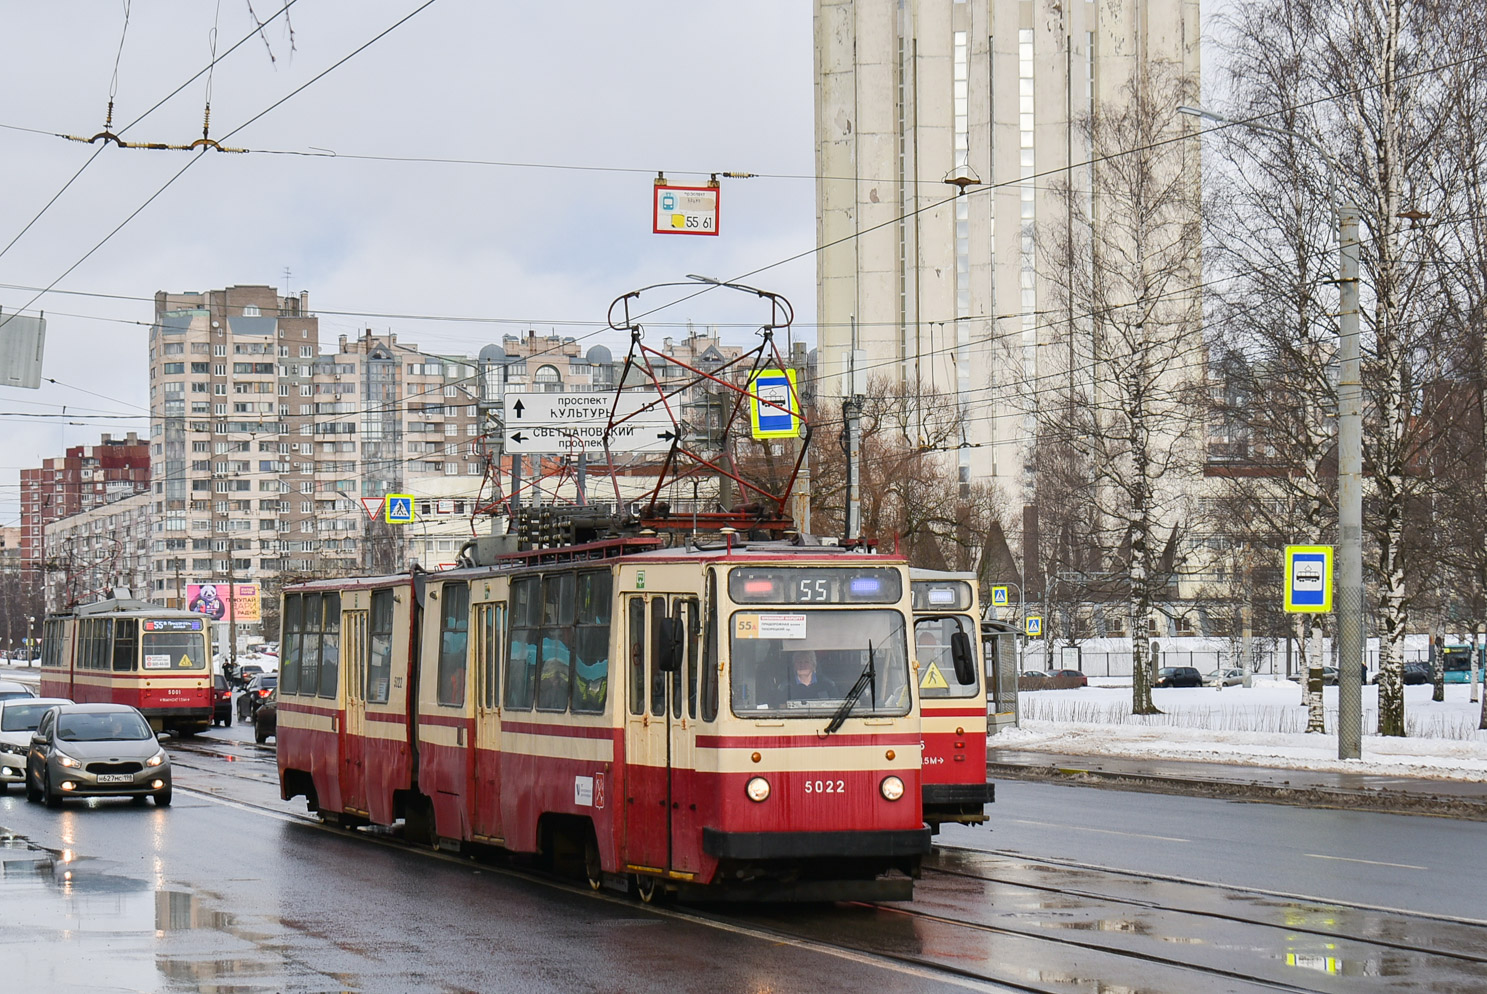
1349, 496
852, 415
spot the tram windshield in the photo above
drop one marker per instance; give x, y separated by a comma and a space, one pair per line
937, 676
173, 645
805, 663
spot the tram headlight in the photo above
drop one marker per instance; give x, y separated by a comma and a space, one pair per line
892, 788
758, 789
67, 760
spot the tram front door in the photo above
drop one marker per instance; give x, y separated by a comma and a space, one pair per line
660, 727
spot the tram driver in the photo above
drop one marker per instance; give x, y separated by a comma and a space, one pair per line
806, 684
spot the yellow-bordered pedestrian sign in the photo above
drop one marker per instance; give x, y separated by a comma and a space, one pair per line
399, 509
1309, 579
774, 387
1034, 626
998, 596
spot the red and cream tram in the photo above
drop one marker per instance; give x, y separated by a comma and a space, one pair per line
952, 696
132, 652
736, 722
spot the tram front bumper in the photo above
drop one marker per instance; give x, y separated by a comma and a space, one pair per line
815, 845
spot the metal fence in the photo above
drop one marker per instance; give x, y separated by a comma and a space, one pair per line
1108, 657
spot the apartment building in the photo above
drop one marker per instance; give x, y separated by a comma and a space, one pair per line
96, 551
82, 478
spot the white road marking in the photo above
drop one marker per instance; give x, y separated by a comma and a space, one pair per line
1102, 831
1370, 862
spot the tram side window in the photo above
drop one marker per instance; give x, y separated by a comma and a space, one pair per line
100, 639
557, 642
379, 666
694, 639
658, 677
126, 645
330, 645
309, 653
710, 655
293, 628
51, 642
521, 661
591, 658
636, 649
490, 636
454, 642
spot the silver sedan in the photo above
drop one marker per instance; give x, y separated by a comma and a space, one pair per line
83, 750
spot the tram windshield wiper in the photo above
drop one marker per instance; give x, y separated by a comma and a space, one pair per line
869, 677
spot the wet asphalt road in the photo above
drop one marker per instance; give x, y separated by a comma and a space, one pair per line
209, 895
1078, 889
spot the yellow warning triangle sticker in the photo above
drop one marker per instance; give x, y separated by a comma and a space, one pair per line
185, 662
933, 679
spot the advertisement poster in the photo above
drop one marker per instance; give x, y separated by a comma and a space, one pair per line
220, 602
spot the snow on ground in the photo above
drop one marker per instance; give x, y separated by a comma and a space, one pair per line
1263, 725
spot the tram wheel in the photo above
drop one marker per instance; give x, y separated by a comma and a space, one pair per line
593, 866
648, 888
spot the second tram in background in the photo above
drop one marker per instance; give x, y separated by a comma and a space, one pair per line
734, 721
133, 652
952, 696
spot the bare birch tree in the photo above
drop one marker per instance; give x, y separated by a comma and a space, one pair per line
1126, 264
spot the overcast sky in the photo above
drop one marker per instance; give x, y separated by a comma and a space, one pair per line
621, 89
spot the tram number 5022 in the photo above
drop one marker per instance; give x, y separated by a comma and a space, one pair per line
825, 786
813, 590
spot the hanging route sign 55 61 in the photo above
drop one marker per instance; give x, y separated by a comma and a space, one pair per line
570, 423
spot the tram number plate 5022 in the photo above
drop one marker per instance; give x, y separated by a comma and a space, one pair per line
825, 786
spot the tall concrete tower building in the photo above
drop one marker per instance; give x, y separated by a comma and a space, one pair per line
943, 131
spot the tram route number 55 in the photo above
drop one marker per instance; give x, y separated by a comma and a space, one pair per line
813, 590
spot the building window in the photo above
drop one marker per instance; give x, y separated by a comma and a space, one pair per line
548, 380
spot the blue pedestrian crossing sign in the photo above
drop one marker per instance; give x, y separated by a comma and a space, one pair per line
998, 596
1309, 579
399, 509
1034, 626
774, 404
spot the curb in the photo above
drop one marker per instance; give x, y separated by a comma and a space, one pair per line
1380, 800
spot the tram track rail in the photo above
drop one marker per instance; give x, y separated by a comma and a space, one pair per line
841, 935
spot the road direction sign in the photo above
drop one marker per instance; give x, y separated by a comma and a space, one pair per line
685, 210
1034, 626
1309, 579
776, 387
555, 423
399, 509
998, 596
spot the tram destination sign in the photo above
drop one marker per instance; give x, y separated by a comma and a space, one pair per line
570, 423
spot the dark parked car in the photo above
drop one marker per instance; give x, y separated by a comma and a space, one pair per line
221, 700
266, 719
256, 693
1179, 676
1415, 673
246, 672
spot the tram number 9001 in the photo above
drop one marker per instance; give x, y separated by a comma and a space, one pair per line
825, 786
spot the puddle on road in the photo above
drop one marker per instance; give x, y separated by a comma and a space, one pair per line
145, 934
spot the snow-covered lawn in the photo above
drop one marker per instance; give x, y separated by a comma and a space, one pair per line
1260, 725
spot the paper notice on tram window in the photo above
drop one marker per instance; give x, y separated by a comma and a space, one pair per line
160, 662
769, 626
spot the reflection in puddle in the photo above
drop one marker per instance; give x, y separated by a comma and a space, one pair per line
152, 938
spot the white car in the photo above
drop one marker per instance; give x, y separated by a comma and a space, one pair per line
19, 717
12, 688
1232, 677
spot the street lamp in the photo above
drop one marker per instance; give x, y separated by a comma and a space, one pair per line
1349, 454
